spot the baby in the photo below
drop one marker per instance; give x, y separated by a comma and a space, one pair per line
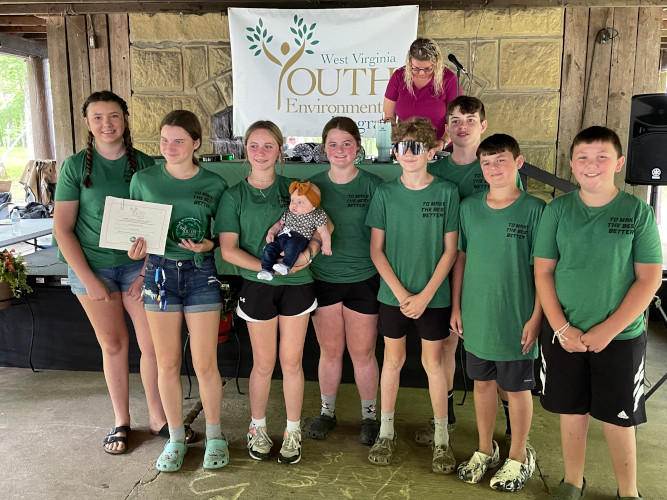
293, 231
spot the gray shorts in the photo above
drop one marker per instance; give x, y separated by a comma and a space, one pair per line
511, 376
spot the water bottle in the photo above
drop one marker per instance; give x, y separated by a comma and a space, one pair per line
16, 221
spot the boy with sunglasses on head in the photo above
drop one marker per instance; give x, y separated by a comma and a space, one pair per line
597, 267
414, 232
494, 303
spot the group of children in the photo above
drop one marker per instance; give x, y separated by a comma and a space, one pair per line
590, 261
462, 252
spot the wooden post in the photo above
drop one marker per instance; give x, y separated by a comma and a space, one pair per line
39, 115
99, 57
62, 106
77, 45
119, 48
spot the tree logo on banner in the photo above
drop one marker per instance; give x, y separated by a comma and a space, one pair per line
302, 37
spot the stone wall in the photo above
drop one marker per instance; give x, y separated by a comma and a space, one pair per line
514, 56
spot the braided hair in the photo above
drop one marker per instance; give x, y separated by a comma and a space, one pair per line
107, 96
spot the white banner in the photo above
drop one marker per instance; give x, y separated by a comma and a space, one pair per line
299, 68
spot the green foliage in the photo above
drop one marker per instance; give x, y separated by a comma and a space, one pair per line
12, 100
14, 271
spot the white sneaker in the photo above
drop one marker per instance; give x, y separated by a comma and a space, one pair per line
513, 475
290, 452
471, 471
259, 443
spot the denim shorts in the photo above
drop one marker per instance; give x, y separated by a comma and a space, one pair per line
188, 288
116, 279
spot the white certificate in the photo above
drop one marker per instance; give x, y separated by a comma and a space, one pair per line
126, 220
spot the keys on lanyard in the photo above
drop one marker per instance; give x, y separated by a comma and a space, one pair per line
162, 294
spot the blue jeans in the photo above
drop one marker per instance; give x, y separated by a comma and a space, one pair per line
116, 279
291, 243
188, 288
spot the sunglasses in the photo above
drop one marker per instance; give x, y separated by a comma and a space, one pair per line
416, 147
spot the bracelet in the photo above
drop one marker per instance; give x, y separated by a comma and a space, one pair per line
142, 275
559, 333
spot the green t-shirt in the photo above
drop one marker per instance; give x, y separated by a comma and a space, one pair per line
347, 206
596, 248
468, 178
194, 203
109, 178
250, 212
498, 295
415, 223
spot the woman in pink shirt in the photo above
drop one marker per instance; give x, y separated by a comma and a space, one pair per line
423, 87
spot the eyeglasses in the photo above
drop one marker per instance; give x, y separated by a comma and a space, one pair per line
426, 71
416, 147
162, 293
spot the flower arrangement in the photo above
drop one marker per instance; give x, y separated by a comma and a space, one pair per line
14, 272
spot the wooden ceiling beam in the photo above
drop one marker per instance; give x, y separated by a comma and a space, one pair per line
21, 21
26, 7
22, 29
17, 46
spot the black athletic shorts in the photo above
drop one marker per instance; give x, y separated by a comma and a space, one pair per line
393, 323
262, 302
511, 376
360, 296
609, 385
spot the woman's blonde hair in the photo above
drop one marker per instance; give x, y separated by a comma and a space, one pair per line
425, 49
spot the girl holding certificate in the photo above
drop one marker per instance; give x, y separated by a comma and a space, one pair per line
106, 281
183, 283
246, 213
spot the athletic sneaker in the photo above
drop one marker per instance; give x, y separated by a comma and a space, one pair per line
290, 452
513, 475
443, 459
370, 427
425, 435
471, 471
322, 426
259, 443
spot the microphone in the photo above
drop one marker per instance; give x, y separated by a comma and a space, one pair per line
452, 59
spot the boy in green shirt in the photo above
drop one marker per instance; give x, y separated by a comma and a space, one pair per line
598, 264
466, 122
494, 300
414, 230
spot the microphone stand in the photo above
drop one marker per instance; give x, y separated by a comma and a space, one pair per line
458, 80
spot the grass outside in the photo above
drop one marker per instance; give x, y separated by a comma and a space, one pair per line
14, 165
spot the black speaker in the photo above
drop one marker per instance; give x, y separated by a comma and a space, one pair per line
646, 161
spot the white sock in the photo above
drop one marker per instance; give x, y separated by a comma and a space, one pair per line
258, 422
293, 426
387, 425
441, 435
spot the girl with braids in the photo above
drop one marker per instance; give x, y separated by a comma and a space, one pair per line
182, 284
423, 87
106, 281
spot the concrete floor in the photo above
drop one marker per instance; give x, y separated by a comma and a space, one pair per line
52, 424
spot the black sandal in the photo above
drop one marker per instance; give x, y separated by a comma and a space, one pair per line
112, 438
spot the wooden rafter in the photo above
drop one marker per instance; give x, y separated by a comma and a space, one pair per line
39, 7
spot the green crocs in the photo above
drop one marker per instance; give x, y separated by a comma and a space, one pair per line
217, 453
567, 491
619, 497
171, 458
